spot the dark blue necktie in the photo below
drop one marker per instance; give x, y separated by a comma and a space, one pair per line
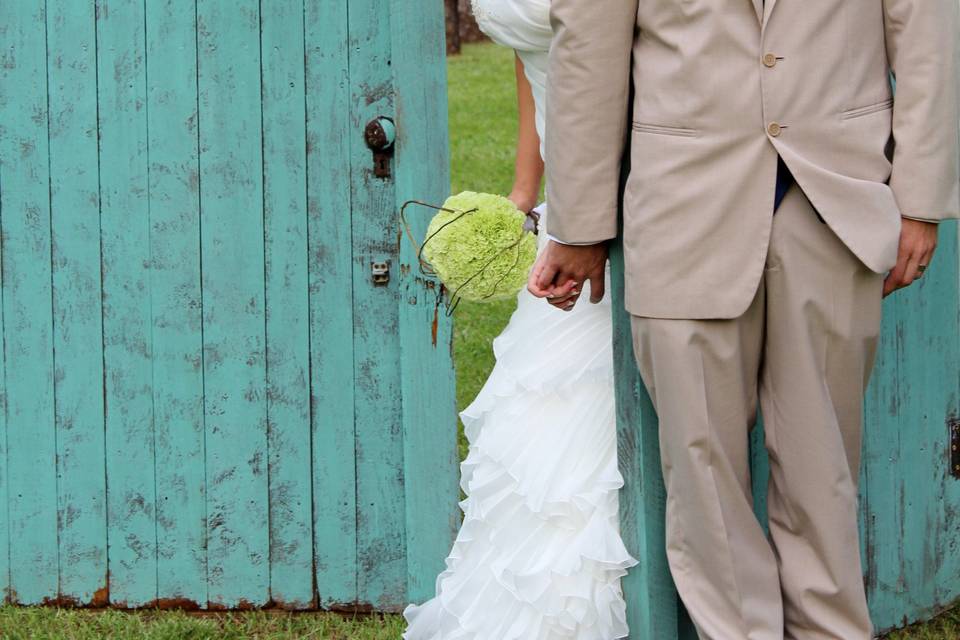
784, 180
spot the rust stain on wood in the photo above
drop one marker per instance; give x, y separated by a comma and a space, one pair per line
184, 604
242, 605
101, 597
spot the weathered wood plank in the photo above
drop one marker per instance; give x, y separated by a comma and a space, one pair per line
759, 473
4, 493
909, 497
431, 469
28, 331
77, 314
929, 382
331, 302
381, 546
233, 305
946, 551
287, 309
128, 352
171, 71
5, 30
653, 604
881, 487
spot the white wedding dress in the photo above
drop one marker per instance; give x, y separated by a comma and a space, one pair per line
539, 554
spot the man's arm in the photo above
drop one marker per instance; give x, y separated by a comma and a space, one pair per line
588, 81
924, 54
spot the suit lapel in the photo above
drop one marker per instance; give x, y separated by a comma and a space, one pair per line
770, 4
758, 7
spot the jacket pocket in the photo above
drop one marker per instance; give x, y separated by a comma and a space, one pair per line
663, 130
868, 109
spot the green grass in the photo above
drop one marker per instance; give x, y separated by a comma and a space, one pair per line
482, 130
23, 623
944, 627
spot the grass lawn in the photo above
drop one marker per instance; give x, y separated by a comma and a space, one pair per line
482, 130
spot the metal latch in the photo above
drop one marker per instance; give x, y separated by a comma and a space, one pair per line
955, 448
380, 271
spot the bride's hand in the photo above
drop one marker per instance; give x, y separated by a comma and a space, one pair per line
563, 296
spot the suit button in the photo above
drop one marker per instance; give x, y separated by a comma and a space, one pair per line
774, 129
770, 60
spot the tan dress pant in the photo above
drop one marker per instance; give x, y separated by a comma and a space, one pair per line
805, 348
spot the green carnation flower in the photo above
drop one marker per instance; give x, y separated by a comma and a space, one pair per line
484, 254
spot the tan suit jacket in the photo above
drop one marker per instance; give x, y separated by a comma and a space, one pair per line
722, 86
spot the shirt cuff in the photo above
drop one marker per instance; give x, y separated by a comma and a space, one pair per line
921, 219
559, 241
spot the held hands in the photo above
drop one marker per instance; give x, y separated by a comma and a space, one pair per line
918, 240
561, 269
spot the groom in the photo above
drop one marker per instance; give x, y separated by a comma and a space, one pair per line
733, 306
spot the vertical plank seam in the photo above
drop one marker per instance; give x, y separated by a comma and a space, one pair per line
53, 318
103, 350
203, 368
266, 307
306, 200
353, 335
898, 350
150, 270
403, 287
7, 596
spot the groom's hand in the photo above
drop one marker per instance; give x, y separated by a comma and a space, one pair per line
561, 270
918, 239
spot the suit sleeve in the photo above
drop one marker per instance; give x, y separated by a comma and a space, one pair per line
922, 47
588, 82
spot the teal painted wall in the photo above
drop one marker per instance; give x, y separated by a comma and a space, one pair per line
206, 400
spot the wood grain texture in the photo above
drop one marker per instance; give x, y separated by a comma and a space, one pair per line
127, 341
212, 407
287, 304
234, 363
431, 464
175, 299
910, 527
652, 602
4, 475
77, 326
31, 508
329, 131
759, 473
381, 544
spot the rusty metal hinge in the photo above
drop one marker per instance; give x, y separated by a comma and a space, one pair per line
954, 425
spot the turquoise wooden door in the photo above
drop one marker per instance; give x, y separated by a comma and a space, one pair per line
909, 485
207, 399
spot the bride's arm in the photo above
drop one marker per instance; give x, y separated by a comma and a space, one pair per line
528, 167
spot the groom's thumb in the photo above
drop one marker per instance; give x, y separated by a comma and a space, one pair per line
596, 287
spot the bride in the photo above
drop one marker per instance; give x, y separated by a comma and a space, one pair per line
539, 554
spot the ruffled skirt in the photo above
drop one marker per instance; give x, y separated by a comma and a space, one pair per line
539, 554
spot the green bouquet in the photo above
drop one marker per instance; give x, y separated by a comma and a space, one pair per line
478, 246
